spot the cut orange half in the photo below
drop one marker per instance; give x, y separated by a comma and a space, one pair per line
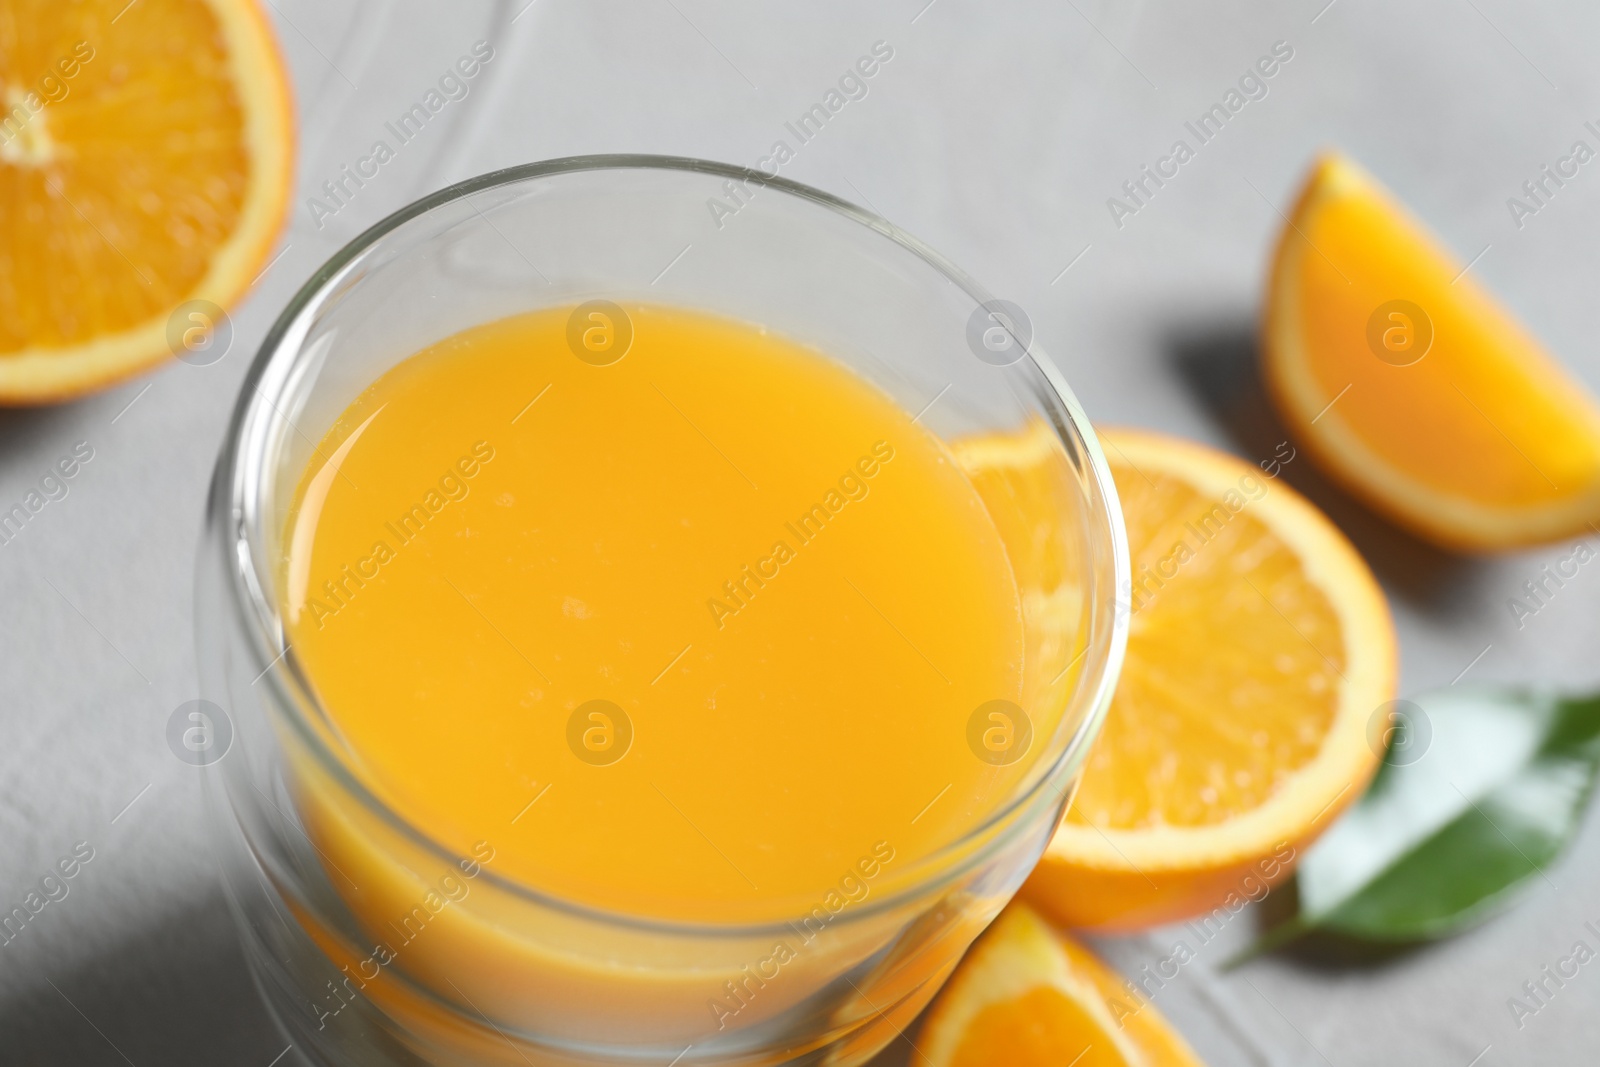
146, 154
1259, 649
1410, 384
1027, 996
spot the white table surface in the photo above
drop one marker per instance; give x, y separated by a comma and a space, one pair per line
997, 133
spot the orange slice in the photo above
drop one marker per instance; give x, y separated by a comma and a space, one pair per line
146, 155
1412, 386
1259, 648
1029, 487
1026, 996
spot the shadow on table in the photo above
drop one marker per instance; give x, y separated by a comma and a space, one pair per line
21, 427
1325, 952
1218, 362
177, 993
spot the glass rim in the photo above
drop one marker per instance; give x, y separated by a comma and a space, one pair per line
240, 469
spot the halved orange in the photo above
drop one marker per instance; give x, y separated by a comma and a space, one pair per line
1412, 386
146, 155
1259, 648
1027, 996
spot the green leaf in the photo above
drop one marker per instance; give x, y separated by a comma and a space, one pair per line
1443, 839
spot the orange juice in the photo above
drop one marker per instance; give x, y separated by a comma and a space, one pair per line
695, 634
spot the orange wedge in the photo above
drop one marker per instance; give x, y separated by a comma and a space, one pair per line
1027, 996
146, 155
1409, 383
1259, 648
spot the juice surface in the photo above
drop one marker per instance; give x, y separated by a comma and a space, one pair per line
789, 589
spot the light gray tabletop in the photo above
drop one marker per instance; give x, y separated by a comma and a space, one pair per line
997, 133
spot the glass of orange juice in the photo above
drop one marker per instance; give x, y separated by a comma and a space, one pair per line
652, 611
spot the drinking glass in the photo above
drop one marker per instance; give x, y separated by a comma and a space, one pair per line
496, 972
